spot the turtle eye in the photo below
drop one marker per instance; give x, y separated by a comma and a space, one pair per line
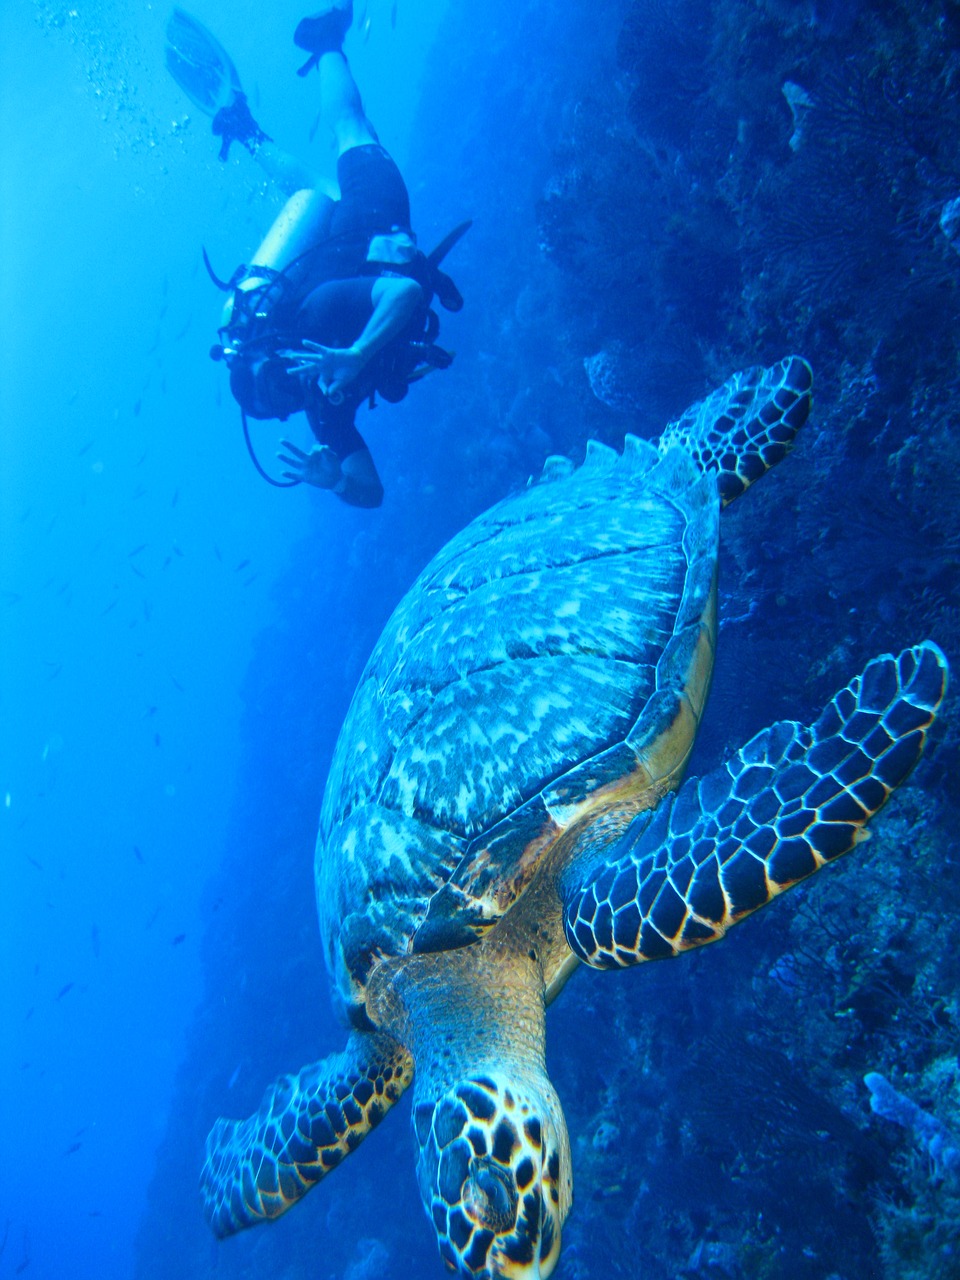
489, 1196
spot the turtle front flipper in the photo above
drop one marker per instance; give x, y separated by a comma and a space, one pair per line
794, 798
258, 1167
746, 426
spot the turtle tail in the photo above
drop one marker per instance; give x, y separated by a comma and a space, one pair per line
746, 426
793, 799
257, 1168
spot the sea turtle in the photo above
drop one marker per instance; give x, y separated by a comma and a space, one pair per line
503, 806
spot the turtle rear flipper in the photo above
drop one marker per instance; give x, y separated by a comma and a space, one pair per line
790, 801
746, 426
258, 1167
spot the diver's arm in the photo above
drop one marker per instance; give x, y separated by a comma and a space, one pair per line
354, 479
395, 299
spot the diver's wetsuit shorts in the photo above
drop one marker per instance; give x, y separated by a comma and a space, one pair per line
373, 201
373, 194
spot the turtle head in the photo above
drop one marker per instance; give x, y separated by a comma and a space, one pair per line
493, 1166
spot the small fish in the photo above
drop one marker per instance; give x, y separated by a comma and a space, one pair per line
153, 919
67, 986
34, 863
73, 1147
176, 498
150, 711
137, 854
156, 739
235, 1076
139, 572
112, 605
137, 405
393, 15
86, 448
181, 937
177, 685
242, 565
137, 550
29, 1013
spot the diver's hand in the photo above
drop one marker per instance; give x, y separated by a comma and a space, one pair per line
320, 467
334, 368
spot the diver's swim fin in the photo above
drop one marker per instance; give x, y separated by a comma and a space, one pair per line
205, 72
200, 65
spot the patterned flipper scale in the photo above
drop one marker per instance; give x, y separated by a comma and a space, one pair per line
746, 426
790, 801
258, 1167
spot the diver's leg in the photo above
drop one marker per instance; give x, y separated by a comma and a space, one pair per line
288, 172
341, 106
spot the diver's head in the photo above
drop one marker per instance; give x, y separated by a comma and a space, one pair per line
493, 1167
263, 387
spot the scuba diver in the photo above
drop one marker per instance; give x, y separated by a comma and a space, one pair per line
335, 307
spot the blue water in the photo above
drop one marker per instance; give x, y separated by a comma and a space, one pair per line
140, 553
180, 641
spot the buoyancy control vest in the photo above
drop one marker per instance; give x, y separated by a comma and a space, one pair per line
265, 302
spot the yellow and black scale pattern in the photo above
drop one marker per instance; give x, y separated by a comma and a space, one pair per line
790, 801
258, 1167
481, 1136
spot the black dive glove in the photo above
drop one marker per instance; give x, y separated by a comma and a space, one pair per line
236, 124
